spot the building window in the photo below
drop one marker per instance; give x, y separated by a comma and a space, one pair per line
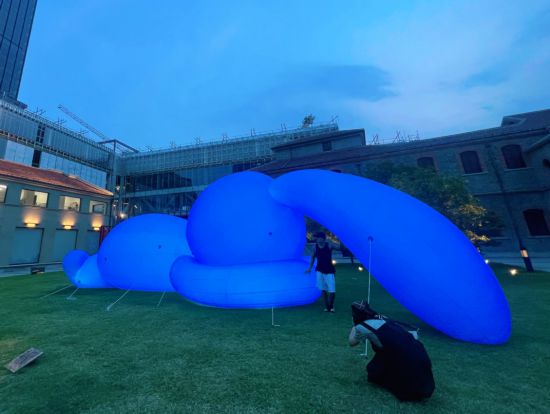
513, 156
3, 189
33, 198
40, 133
470, 162
426, 162
69, 203
97, 207
327, 146
536, 222
36, 158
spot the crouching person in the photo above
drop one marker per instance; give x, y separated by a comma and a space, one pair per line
401, 363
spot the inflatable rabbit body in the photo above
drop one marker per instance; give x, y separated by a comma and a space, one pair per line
242, 247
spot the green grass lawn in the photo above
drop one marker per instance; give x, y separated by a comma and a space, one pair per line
180, 357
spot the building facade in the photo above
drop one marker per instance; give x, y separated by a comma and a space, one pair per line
169, 181
44, 214
507, 168
33, 140
16, 18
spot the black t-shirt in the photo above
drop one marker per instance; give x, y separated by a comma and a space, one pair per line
324, 259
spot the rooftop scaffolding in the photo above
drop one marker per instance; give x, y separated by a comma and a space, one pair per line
224, 151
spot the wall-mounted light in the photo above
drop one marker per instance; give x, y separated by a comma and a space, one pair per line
333, 261
95, 228
31, 217
487, 261
360, 268
513, 272
67, 227
524, 253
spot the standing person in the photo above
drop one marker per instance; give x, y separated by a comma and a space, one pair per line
325, 269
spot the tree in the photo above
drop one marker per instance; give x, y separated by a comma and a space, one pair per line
447, 194
308, 121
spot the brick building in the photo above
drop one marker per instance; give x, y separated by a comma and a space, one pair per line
507, 168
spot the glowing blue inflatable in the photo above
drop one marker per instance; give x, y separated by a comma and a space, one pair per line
419, 256
83, 273
235, 221
137, 254
247, 248
258, 285
74, 261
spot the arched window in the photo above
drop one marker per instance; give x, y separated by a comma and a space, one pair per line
513, 156
470, 162
536, 222
426, 162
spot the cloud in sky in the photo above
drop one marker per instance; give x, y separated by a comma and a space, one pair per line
458, 67
151, 74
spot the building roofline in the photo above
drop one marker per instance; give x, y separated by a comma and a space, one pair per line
318, 138
40, 177
362, 153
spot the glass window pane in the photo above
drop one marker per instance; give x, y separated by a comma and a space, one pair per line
536, 222
513, 156
426, 162
97, 207
33, 198
69, 203
470, 162
3, 189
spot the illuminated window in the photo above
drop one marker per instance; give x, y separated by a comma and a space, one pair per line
69, 203
536, 222
470, 162
97, 207
33, 198
513, 156
3, 189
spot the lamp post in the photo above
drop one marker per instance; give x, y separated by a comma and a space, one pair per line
522, 249
526, 259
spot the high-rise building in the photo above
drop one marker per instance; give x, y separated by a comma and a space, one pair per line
16, 17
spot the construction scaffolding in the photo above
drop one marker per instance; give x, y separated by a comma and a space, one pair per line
226, 151
32, 130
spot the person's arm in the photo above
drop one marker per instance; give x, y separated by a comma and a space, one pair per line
352, 338
360, 334
312, 260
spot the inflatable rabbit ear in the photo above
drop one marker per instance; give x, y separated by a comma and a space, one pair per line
82, 270
419, 256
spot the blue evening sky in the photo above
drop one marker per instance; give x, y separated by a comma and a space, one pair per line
152, 73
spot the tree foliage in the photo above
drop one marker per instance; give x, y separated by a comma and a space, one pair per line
447, 194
